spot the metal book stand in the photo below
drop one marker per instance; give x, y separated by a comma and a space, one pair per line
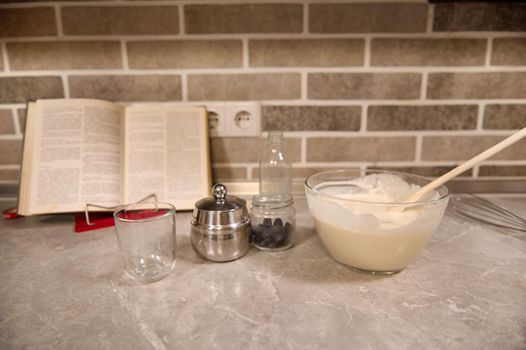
92, 205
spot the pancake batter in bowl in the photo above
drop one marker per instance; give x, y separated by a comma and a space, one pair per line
365, 225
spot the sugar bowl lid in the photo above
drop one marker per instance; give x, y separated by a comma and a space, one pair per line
220, 209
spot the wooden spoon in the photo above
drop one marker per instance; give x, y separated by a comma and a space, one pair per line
467, 165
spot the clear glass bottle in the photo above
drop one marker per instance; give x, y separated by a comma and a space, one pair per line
275, 171
273, 220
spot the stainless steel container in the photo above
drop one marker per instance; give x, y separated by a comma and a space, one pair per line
220, 226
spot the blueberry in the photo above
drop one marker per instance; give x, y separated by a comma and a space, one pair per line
275, 230
266, 232
269, 243
267, 222
257, 233
280, 238
272, 235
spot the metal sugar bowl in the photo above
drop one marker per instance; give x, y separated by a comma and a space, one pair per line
220, 226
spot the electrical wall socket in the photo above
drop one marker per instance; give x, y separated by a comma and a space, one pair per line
243, 119
216, 118
234, 119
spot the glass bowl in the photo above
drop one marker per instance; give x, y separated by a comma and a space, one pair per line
367, 236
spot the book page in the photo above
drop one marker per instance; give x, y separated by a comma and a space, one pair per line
167, 154
76, 155
26, 168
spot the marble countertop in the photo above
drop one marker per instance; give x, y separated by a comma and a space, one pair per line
61, 290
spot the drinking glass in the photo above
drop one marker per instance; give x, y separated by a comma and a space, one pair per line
146, 238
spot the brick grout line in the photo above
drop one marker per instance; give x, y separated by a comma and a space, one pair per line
308, 165
114, 3
357, 103
395, 133
434, 35
233, 2
480, 116
180, 12
46, 39
248, 170
10, 167
367, 53
418, 148
489, 52
416, 102
58, 16
245, 53
65, 84
32, 4
124, 55
303, 150
184, 87
11, 137
281, 70
5, 59
384, 163
363, 117
201, 2
476, 171
285, 103
502, 177
170, 2
405, 163
305, 23
430, 18
14, 114
399, 133
13, 105
504, 162
423, 86
232, 165
288, 36
304, 94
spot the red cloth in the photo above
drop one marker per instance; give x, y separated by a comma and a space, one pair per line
99, 220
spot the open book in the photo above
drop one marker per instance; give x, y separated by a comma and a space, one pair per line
79, 151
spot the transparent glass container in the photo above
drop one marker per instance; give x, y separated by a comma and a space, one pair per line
275, 171
368, 236
146, 238
273, 221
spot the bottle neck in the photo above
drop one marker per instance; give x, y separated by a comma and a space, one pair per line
275, 139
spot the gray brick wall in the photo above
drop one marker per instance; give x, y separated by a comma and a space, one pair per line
398, 85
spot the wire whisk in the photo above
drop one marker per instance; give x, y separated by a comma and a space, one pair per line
481, 209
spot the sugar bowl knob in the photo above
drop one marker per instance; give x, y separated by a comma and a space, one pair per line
219, 192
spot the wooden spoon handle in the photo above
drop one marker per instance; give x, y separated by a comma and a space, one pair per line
467, 165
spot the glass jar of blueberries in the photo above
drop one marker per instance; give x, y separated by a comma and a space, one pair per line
273, 220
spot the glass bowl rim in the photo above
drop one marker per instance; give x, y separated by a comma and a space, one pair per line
272, 200
171, 210
382, 171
